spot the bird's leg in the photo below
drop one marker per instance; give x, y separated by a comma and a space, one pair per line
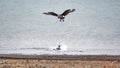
60, 20
63, 20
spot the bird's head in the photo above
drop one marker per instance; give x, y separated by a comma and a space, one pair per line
72, 10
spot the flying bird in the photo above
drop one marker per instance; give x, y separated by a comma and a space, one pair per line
60, 16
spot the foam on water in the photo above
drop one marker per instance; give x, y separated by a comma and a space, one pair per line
63, 47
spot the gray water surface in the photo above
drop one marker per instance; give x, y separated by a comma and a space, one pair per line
94, 26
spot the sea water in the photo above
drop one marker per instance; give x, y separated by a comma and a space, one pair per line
94, 28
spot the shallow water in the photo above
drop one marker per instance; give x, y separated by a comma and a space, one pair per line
49, 51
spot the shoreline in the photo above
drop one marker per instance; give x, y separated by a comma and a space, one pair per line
62, 57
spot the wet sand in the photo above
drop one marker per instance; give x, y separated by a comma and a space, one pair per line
59, 61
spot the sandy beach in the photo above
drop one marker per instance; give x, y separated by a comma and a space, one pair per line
59, 61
